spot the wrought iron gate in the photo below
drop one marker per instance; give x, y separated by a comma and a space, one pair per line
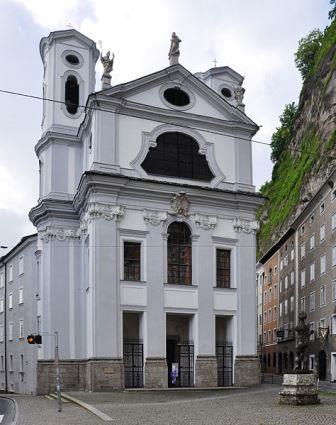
224, 354
185, 359
133, 363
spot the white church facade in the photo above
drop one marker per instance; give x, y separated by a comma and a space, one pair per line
145, 246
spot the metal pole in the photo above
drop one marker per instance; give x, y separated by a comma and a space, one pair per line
58, 375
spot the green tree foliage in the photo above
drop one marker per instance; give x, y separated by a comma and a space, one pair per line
283, 134
305, 55
332, 12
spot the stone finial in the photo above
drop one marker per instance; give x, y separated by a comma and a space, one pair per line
174, 51
108, 67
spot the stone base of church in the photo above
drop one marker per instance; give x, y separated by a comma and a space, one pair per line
73, 376
206, 372
299, 389
156, 373
104, 375
81, 375
247, 371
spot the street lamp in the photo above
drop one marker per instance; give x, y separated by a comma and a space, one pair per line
3, 247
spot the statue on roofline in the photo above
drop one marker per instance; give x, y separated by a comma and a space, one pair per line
107, 63
174, 51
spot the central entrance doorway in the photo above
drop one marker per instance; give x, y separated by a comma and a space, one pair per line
179, 351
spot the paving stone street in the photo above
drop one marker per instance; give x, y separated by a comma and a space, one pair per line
233, 406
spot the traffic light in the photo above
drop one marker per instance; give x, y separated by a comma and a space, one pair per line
31, 339
34, 339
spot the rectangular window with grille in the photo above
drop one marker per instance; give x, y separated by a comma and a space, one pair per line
132, 261
223, 268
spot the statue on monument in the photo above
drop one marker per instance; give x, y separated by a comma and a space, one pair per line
303, 333
239, 94
174, 51
107, 63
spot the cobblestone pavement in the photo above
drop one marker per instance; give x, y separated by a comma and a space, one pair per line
237, 406
234, 406
41, 411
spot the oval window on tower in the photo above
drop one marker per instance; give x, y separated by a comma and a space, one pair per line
176, 96
72, 59
71, 94
226, 92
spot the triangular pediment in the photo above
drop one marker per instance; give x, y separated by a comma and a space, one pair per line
204, 101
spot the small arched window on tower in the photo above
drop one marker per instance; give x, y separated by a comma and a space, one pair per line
71, 94
179, 254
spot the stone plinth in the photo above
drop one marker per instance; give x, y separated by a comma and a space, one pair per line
299, 389
247, 371
156, 373
104, 374
206, 372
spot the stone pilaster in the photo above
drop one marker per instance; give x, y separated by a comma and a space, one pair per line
247, 371
156, 373
104, 375
206, 372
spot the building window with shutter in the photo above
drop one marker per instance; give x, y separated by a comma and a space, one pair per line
132, 261
223, 268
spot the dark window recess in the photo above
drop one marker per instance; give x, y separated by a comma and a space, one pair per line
71, 94
176, 96
132, 256
72, 59
176, 155
226, 92
223, 268
179, 254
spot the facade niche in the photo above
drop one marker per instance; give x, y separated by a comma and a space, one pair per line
72, 94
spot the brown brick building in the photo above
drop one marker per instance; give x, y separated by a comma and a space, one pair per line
300, 275
270, 313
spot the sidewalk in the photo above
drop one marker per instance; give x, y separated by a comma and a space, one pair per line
41, 411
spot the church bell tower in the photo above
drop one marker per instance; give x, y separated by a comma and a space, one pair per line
69, 60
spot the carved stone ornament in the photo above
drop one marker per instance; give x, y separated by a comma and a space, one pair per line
61, 234
154, 217
245, 226
107, 212
205, 222
180, 204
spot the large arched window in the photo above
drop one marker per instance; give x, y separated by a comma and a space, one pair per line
71, 94
179, 254
177, 155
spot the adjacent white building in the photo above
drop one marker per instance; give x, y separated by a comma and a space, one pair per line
146, 227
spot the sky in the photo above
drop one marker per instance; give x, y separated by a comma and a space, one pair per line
257, 38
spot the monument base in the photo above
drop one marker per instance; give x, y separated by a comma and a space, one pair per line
299, 389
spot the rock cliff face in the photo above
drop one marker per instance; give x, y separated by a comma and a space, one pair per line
311, 154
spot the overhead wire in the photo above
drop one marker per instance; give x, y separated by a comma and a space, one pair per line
85, 107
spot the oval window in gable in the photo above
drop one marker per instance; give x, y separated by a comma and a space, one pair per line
176, 96
177, 155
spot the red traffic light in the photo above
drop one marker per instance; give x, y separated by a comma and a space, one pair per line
31, 339
34, 339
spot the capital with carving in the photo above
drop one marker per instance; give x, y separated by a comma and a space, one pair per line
155, 218
243, 226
